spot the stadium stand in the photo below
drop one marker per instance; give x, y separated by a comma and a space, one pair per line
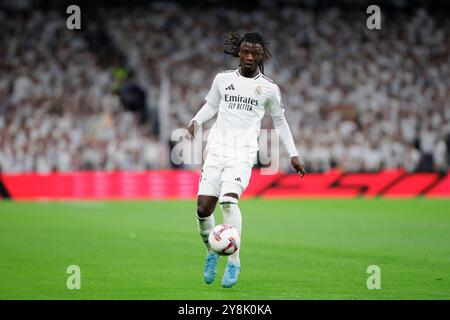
356, 99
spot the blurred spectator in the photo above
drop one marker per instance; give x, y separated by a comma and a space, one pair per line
134, 98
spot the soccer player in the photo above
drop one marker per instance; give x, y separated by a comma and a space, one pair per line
240, 97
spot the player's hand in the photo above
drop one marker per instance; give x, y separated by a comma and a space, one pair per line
191, 130
298, 165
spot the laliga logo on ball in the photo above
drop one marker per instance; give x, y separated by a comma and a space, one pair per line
224, 239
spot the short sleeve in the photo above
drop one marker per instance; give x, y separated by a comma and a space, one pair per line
213, 97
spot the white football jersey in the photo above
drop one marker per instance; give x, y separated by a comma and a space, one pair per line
242, 103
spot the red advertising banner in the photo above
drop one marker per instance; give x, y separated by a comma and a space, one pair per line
183, 184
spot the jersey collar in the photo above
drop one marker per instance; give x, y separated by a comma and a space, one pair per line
238, 72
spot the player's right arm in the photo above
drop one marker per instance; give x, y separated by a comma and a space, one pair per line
209, 109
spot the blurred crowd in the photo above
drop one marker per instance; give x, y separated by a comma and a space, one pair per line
356, 99
58, 107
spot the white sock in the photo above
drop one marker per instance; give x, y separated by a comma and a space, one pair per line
232, 215
205, 225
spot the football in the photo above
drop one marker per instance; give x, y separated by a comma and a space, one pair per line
224, 239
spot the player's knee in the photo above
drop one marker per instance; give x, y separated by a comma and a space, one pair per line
203, 211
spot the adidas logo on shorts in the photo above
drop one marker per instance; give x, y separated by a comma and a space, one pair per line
230, 87
238, 179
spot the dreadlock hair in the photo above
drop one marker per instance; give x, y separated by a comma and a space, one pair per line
233, 43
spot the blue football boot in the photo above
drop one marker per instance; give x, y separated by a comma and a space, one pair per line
211, 267
231, 275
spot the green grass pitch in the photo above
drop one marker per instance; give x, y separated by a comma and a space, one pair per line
292, 249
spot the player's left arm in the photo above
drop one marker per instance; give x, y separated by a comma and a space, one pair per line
280, 123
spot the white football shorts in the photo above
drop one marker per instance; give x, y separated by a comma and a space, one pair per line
225, 174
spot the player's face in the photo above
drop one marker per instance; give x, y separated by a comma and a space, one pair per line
250, 54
